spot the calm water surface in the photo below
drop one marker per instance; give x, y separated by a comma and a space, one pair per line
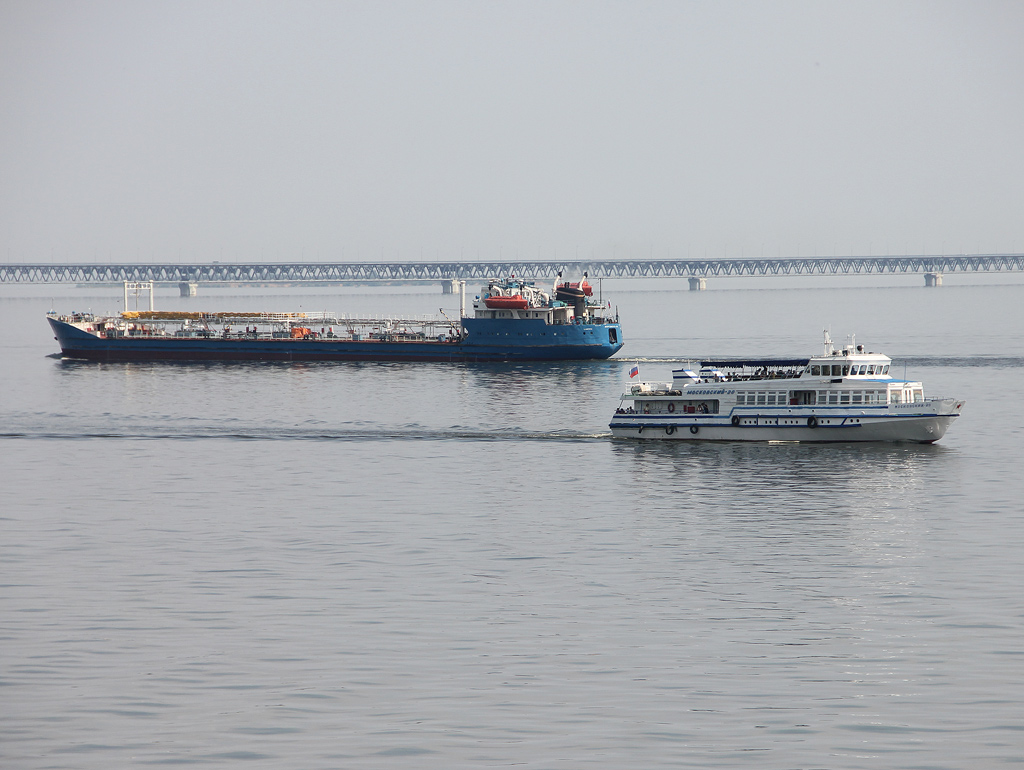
384, 565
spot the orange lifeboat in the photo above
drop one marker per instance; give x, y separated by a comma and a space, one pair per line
580, 289
505, 302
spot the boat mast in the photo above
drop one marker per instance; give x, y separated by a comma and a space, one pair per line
138, 286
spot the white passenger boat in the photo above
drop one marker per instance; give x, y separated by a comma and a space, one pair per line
841, 395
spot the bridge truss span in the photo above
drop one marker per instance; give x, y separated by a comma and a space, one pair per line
301, 272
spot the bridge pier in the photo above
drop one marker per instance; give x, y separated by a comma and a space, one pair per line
933, 279
698, 283
188, 288
450, 287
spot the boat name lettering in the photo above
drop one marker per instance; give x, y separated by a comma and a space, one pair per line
719, 392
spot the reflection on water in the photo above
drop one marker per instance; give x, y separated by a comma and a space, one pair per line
788, 466
827, 481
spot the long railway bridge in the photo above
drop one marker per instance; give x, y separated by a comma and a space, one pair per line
697, 271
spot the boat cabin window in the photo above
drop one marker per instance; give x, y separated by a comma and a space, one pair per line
815, 371
918, 396
679, 406
771, 398
803, 397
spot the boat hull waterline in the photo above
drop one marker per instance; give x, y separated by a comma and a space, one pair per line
792, 426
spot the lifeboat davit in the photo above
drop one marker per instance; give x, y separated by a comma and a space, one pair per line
506, 302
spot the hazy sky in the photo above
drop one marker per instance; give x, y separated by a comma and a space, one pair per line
345, 130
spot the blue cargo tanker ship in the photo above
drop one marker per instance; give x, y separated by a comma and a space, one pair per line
512, 321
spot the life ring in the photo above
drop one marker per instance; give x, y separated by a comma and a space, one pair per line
670, 429
812, 422
735, 421
694, 429
671, 406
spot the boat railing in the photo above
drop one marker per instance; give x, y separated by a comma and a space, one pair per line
318, 317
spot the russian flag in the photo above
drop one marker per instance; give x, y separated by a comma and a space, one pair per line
634, 372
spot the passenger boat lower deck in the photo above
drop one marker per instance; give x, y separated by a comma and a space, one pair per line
841, 396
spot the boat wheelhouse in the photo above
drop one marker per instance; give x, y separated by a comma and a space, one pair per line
841, 395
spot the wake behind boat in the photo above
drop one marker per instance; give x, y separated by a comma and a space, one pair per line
512, 321
839, 396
